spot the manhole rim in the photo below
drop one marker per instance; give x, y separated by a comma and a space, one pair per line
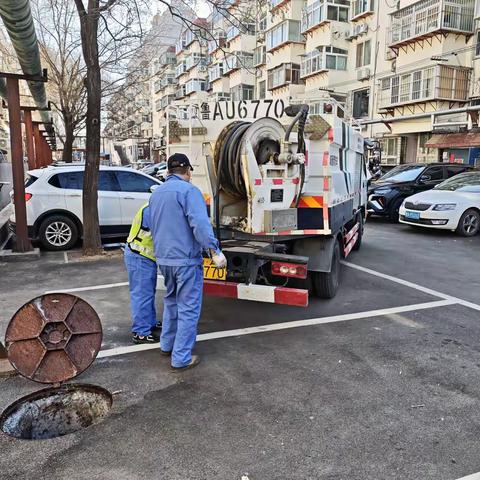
45, 393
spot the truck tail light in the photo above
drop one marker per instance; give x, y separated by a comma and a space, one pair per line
330, 135
289, 270
28, 196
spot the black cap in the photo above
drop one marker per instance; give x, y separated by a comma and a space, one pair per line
178, 160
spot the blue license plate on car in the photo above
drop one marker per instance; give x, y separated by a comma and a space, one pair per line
412, 215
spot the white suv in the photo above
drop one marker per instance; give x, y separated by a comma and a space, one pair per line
54, 202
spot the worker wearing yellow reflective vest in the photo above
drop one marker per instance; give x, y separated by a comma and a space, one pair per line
142, 278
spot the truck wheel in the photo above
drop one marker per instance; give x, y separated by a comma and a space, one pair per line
326, 283
58, 232
469, 223
358, 243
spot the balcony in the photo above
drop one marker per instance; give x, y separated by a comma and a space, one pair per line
285, 74
219, 41
180, 92
241, 92
437, 82
195, 85
236, 61
321, 12
361, 8
275, 4
215, 72
168, 79
245, 29
286, 32
195, 59
429, 17
180, 69
323, 59
167, 100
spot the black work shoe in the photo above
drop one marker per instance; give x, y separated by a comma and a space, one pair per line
152, 338
193, 363
158, 326
165, 354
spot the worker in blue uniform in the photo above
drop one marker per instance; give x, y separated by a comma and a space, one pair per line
181, 230
142, 278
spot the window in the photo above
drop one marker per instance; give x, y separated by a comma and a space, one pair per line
359, 7
134, 182
433, 174
477, 44
74, 181
454, 170
360, 103
320, 11
287, 73
261, 90
363, 54
242, 92
287, 31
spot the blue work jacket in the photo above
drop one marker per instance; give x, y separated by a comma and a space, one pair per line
179, 224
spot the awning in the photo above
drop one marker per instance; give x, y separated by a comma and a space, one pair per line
454, 140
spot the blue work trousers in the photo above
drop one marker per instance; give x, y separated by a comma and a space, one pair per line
142, 280
182, 305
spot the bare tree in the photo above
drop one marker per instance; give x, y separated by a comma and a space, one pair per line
60, 48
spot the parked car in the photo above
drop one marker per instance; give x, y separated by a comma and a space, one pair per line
154, 168
54, 202
387, 193
452, 205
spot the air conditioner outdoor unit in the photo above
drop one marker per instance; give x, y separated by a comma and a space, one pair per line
361, 28
363, 73
390, 54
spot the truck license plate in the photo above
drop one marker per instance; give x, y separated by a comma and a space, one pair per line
412, 215
211, 272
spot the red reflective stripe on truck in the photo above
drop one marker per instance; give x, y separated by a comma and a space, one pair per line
277, 181
258, 293
291, 296
326, 158
220, 289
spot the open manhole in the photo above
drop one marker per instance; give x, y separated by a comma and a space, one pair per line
51, 339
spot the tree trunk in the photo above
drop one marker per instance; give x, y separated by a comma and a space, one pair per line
67, 155
92, 244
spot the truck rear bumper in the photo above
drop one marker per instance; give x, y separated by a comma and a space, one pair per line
259, 293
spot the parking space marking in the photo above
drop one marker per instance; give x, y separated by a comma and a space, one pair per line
285, 326
473, 476
415, 286
86, 289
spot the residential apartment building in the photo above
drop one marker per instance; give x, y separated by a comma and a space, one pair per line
405, 71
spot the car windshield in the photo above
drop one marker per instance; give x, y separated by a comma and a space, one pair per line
403, 173
465, 182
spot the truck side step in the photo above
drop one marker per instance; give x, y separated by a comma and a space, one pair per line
259, 293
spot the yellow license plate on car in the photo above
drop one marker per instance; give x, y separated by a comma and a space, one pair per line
211, 272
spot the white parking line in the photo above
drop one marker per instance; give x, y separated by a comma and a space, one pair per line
415, 286
284, 326
473, 476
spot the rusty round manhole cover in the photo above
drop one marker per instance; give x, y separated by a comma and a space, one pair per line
53, 338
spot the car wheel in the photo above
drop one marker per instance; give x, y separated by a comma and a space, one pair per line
394, 210
58, 232
469, 223
326, 283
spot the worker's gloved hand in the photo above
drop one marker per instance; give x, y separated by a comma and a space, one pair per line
219, 259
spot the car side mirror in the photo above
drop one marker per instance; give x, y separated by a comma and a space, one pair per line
153, 188
425, 179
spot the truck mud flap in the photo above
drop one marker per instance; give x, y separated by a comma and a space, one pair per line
258, 293
319, 251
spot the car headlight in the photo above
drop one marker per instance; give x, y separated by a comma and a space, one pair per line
444, 206
382, 190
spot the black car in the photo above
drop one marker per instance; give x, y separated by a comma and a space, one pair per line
387, 193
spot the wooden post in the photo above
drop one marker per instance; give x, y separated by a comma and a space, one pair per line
38, 146
22, 242
27, 116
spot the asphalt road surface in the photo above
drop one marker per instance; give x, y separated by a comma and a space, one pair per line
381, 382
